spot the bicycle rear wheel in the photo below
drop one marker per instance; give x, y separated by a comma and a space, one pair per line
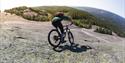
54, 38
70, 37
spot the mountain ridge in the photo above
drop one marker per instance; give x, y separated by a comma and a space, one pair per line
105, 15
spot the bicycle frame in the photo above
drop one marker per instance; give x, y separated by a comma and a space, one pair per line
66, 29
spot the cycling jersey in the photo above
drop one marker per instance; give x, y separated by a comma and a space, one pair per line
59, 19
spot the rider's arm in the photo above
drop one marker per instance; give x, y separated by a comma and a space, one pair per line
71, 21
68, 18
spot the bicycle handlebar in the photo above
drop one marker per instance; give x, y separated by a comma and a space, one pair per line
68, 25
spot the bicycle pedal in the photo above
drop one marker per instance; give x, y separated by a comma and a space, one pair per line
63, 41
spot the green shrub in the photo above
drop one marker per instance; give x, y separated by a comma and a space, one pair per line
87, 26
17, 10
121, 34
103, 30
81, 23
43, 18
36, 18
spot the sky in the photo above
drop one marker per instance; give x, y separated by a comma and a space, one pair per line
115, 6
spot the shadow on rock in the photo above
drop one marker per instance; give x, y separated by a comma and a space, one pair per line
73, 48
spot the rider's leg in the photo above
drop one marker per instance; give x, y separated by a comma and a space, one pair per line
62, 32
58, 25
61, 27
54, 24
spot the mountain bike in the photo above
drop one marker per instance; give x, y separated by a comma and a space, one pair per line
55, 37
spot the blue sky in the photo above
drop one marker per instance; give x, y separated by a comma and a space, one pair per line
115, 6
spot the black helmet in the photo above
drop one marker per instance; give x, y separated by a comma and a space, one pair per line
59, 14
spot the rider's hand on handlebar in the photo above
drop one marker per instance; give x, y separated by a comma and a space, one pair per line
68, 24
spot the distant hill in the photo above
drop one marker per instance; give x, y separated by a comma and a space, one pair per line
106, 16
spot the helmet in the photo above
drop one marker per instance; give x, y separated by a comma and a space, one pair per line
59, 14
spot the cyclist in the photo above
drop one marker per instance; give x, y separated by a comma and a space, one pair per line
56, 21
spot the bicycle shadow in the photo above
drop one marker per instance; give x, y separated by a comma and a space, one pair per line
73, 48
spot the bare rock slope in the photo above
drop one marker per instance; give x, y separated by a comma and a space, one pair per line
23, 41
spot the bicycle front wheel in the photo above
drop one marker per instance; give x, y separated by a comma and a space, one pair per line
54, 38
70, 37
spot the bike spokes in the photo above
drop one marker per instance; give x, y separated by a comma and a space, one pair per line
54, 38
70, 37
